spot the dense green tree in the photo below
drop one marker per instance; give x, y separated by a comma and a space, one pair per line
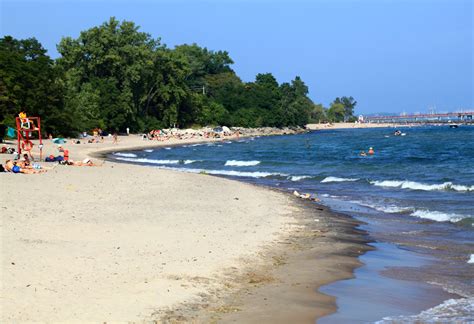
29, 83
349, 104
114, 76
117, 62
336, 112
318, 114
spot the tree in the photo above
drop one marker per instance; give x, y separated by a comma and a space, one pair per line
114, 59
318, 114
336, 112
349, 104
114, 76
29, 82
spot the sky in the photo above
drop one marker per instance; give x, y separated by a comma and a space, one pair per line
391, 56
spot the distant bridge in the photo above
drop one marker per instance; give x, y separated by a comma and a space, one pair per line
457, 117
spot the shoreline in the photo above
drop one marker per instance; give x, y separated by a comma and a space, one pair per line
315, 127
261, 289
284, 286
35, 234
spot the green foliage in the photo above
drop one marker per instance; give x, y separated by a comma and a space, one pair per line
318, 114
349, 104
29, 82
114, 76
336, 112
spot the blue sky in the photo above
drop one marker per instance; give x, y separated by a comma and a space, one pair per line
391, 56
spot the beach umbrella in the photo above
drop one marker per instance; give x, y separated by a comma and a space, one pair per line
11, 132
59, 140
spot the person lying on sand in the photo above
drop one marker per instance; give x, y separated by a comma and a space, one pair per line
15, 167
85, 162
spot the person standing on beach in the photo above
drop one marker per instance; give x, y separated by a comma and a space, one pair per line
128, 131
115, 137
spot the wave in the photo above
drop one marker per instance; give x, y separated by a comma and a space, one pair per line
232, 173
167, 148
389, 209
243, 174
336, 179
125, 154
148, 151
241, 163
298, 178
450, 311
439, 216
471, 259
422, 186
145, 160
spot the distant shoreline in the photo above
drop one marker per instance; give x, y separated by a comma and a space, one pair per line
357, 125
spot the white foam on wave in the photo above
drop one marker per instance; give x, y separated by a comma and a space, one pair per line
167, 148
148, 151
145, 160
232, 173
241, 163
336, 179
243, 174
450, 311
125, 154
422, 186
438, 216
389, 209
471, 259
298, 178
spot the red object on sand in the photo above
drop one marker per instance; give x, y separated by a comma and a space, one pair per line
24, 128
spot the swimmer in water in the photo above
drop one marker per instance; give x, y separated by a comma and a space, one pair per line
371, 151
363, 153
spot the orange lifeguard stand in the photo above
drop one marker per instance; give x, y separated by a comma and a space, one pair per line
24, 127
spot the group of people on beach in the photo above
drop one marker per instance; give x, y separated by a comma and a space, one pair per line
25, 165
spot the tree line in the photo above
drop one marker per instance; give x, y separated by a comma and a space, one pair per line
114, 77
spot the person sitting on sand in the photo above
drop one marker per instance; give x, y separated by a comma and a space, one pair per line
11, 166
65, 152
26, 159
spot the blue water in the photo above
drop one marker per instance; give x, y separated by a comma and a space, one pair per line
416, 191
429, 173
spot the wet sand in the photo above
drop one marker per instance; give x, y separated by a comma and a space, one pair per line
129, 243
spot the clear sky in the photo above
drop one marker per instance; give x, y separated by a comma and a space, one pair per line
391, 56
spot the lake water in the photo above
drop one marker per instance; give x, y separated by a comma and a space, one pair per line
416, 194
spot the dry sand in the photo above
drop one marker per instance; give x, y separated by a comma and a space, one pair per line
124, 243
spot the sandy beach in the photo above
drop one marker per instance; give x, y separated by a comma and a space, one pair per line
124, 243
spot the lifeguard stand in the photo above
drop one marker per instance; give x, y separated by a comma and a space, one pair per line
25, 126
